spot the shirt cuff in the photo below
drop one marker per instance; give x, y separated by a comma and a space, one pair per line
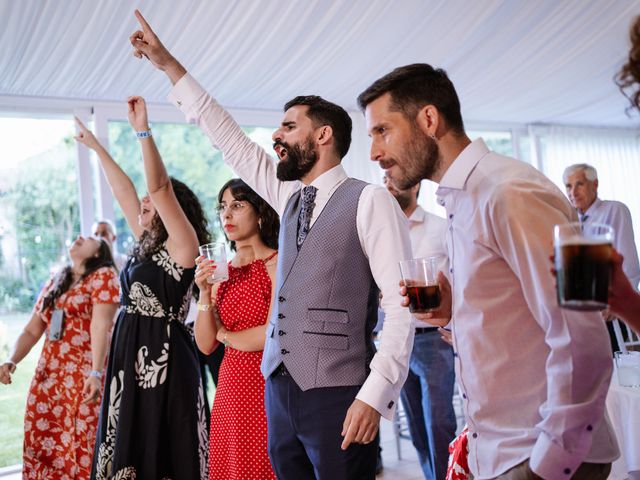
378, 393
185, 93
550, 460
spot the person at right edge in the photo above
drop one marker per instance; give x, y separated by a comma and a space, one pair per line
533, 377
326, 387
624, 299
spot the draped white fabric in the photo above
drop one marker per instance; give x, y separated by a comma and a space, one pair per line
614, 153
517, 61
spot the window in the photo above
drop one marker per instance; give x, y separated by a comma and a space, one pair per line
498, 141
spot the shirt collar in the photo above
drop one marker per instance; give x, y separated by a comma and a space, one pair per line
593, 207
460, 169
329, 180
417, 216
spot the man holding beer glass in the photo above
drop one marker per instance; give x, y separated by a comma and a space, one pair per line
428, 392
533, 376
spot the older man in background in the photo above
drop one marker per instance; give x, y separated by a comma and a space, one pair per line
581, 182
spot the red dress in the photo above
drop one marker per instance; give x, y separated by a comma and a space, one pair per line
59, 430
238, 439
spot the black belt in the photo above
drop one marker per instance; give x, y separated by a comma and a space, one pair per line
425, 330
281, 370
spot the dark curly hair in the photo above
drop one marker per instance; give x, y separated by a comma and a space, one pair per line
269, 220
152, 239
62, 281
628, 78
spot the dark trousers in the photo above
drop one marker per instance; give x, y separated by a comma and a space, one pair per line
304, 433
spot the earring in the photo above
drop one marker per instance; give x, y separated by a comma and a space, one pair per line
432, 136
259, 224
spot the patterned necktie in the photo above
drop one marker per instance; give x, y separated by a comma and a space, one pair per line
306, 209
583, 218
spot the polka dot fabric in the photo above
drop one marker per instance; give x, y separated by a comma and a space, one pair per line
238, 439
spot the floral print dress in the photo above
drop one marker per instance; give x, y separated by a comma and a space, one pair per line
60, 430
152, 423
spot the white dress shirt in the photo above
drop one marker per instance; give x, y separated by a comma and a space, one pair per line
381, 226
533, 377
617, 215
428, 239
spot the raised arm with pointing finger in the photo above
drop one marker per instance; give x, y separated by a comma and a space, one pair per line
340, 241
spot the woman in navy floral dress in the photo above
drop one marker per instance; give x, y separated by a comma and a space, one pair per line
153, 424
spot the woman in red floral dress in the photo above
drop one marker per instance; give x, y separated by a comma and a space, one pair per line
235, 312
64, 397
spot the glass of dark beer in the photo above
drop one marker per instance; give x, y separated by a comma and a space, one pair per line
420, 276
583, 265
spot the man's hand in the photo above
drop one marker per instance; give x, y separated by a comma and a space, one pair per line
146, 43
437, 318
621, 292
446, 335
360, 425
85, 136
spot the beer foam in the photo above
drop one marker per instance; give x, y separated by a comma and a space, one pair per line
579, 240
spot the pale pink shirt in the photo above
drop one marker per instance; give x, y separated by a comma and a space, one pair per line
381, 226
533, 377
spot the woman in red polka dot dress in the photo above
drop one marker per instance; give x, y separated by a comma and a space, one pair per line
235, 313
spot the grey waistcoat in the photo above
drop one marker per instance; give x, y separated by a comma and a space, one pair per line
326, 299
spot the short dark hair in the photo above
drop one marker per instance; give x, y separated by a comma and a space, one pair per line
323, 112
414, 86
270, 222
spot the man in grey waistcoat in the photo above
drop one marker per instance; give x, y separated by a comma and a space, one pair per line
340, 243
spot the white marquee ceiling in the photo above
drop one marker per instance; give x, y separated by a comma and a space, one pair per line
515, 61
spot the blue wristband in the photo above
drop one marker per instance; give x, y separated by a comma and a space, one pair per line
144, 134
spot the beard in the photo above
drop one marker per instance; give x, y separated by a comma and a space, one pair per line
403, 199
301, 158
420, 160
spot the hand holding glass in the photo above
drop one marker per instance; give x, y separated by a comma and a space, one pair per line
218, 253
583, 265
420, 276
